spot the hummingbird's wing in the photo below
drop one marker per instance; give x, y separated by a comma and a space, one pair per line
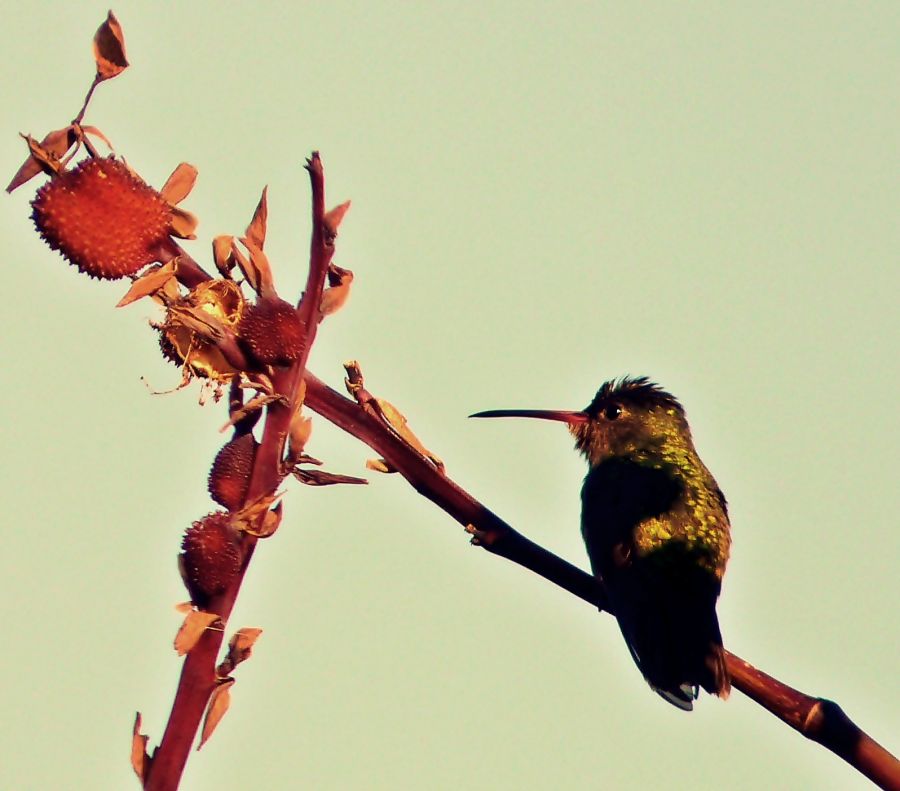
664, 597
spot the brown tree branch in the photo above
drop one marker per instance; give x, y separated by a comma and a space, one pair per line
198, 673
818, 719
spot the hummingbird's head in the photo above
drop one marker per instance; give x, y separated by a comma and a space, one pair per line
627, 417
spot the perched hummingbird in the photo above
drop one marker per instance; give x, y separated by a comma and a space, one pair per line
655, 524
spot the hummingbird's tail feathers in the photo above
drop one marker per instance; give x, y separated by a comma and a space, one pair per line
682, 697
669, 622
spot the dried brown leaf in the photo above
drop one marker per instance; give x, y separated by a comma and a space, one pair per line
248, 270
93, 130
193, 627
170, 292
240, 647
380, 465
256, 231
271, 522
257, 519
322, 478
179, 185
184, 607
222, 254
198, 319
29, 169
44, 156
183, 224
332, 219
48, 161
58, 142
140, 761
149, 283
335, 297
219, 702
301, 429
399, 423
109, 48
259, 261
253, 405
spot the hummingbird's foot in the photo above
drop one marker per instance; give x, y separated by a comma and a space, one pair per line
476, 533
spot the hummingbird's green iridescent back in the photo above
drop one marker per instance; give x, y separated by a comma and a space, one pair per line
656, 528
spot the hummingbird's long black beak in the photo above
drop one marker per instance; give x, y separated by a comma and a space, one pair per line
563, 416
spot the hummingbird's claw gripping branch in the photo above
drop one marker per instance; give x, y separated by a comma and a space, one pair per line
816, 718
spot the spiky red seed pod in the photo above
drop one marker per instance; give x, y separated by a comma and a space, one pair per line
210, 558
272, 331
229, 476
102, 218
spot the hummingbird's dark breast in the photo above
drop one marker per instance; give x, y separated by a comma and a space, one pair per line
647, 530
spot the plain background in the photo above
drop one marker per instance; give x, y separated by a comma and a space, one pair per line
544, 196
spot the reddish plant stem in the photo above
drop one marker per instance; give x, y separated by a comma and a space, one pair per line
198, 673
818, 719
188, 272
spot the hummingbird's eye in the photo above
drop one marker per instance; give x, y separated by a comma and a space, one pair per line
612, 411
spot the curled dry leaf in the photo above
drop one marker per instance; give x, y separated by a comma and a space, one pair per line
259, 518
95, 132
193, 627
399, 423
240, 647
151, 282
256, 231
304, 459
247, 269
219, 702
301, 429
179, 185
199, 320
335, 297
322, 478
259, 262
271, 522
44, 156
140, 761
332, 220
254, 405
183, 224
109, 48
380, 465
222, 254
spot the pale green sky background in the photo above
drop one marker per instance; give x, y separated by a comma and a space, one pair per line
544, 197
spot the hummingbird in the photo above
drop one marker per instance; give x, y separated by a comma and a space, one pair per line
655, 526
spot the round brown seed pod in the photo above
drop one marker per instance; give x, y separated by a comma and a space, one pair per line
229, 476
210, 558
102, 218
272, 332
